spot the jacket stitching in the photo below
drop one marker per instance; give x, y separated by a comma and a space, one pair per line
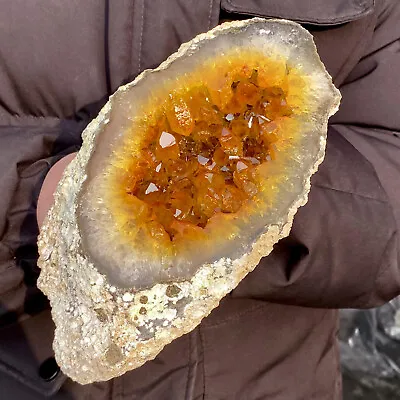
336, 354
131, 37
331, 345
235, 316
379, 273
342, 74
202, 341
189, 364
210, 13
111, 388
107, 46
384, 254
141, 37
350, 193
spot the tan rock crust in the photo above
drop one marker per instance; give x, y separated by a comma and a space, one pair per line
103, 331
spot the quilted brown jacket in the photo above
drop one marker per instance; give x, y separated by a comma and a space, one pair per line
274, 337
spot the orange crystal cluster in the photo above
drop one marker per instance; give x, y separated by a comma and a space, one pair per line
201, 156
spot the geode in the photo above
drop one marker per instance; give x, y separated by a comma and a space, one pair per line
185, 180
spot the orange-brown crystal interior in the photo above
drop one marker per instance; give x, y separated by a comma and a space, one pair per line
201, 148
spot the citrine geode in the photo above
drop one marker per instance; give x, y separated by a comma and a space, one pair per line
187, 177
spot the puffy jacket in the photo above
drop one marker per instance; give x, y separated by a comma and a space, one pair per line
274, 336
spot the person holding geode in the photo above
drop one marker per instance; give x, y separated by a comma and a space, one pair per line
177, 247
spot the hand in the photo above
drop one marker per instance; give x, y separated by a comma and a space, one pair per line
49, 186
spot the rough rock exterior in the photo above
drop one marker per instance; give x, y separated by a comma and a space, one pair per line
102, 331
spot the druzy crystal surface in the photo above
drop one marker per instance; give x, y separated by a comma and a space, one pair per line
202, 159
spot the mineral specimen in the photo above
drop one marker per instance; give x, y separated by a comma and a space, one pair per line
187, 177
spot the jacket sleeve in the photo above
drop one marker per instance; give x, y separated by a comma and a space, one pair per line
49, 91
26, 154
344, 247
